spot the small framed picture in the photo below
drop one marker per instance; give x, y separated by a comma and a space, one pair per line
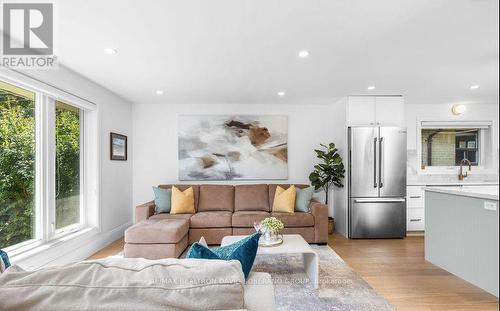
118, 147
471, 144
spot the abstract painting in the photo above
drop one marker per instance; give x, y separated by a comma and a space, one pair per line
227, 147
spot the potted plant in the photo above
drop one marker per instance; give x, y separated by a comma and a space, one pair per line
271, 227
329, 171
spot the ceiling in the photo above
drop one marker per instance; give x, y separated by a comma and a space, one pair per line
245, 51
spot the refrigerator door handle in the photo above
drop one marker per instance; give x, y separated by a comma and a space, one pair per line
375, 184
380, 163
382, 200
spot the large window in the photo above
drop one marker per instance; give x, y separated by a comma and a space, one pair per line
17, 165
42, 188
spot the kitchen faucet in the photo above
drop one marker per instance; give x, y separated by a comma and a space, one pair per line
461, 176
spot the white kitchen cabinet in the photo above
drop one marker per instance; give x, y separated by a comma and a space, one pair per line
361, 110
389, 111
415, 219
415, 196
375, 111
415, 208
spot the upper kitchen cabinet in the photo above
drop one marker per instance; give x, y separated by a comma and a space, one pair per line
361, 110
390, 111
375, 111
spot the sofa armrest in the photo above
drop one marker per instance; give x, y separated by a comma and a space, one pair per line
320, 213
144, 211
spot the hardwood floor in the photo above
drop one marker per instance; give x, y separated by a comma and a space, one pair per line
397, 270
110, 250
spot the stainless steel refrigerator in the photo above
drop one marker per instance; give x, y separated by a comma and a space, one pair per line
377, 182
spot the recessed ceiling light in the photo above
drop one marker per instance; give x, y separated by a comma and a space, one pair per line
474, 87
159, 92
303, 54
110, 51
281, 93
371, 87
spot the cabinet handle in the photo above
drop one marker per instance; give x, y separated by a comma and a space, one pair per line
415, 219
415, 196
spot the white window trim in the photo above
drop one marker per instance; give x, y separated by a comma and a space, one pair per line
449, 123
45, 234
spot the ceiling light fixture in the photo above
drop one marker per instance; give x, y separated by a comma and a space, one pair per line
474, 87
371, 87
458, 109
110, 51
159, 92
303, 54
281, 93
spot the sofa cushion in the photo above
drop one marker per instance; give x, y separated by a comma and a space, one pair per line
246, 219
297, 219
216, 198
303, 199
157, 231
272, 190
251, 198
284, 200
171, 216
211, 220
163, 200
182, 201
127, 284
196, 191
243, 250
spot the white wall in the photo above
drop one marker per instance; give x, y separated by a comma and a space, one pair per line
115, 184
155, 139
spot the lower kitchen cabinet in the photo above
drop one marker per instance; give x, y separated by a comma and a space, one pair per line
415, 213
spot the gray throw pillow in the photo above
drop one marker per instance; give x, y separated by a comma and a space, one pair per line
303, 198
163, 200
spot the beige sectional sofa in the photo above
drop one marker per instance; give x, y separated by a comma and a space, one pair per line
137, 284
223, 210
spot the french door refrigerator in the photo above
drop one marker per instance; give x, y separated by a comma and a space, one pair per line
377, 182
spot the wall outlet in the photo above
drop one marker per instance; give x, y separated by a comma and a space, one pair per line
490, 206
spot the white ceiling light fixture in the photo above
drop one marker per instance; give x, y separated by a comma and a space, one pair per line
458, 109
110, 51
281, 93
474, 87
303, 54
159, 92
371, 87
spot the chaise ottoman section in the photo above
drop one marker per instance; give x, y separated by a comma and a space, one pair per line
156, 239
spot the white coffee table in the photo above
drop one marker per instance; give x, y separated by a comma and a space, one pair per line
292, 244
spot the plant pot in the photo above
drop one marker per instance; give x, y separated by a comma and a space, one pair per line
331, 225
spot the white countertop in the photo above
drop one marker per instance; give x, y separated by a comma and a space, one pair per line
486, 192
452, 183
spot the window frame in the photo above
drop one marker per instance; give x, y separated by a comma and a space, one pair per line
447, 123
46, 95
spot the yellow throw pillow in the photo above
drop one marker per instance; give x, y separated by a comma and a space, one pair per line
284, 200
182, 201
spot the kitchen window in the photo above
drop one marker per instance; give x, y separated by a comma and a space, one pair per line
47, 173
447, 144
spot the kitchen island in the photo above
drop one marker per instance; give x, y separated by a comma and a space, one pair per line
461, 233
